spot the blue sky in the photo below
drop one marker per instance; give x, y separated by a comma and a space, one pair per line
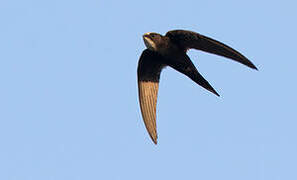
68, 95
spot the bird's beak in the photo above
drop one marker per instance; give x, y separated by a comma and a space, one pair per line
146, 35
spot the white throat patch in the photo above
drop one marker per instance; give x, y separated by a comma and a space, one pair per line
149, 43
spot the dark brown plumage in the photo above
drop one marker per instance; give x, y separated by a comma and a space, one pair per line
170, 50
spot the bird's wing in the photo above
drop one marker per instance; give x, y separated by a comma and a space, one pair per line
189, 39
148, 73
183, 64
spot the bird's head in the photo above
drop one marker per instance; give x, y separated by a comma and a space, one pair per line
152, 40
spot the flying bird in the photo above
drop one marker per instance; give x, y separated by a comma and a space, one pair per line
170, 50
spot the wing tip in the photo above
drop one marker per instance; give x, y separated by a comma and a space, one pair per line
155, 140
213, 91
251, 65
254, 67
216, 93
154, 136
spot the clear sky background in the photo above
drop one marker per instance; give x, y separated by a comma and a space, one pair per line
69, 104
